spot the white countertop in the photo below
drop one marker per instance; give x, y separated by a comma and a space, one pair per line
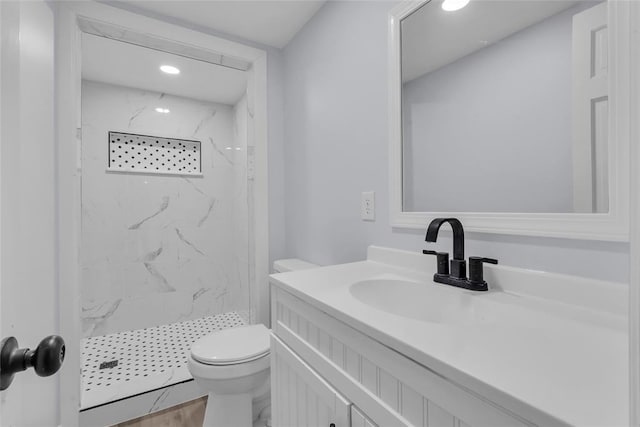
552, 344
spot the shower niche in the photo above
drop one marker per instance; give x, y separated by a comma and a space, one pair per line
153, 154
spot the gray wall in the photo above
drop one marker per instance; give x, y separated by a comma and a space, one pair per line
503, 111
333, 76
335, 111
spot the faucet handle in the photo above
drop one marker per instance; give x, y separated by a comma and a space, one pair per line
476, 273
442, 261
483, 259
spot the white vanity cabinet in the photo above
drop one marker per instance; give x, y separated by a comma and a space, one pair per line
301, 396
324, 371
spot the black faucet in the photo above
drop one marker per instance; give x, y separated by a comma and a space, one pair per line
458, 275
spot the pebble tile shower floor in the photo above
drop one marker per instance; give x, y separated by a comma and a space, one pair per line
156, 357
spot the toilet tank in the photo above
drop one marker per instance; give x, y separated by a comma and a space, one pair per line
291, 264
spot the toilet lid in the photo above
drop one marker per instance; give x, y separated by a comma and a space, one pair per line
234, 345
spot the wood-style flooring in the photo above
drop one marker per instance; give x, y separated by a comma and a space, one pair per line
188, 414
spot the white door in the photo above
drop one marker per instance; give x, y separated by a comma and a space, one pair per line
299, 396
590, 110
28, 284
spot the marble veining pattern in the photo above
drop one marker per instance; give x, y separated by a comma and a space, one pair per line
212, 203
160, 249
163, 207
188, 243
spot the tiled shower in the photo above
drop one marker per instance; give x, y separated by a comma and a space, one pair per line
165, 236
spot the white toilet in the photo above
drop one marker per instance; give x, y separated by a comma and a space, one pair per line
232, 365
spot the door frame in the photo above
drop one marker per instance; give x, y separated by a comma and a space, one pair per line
633, 16
72, 20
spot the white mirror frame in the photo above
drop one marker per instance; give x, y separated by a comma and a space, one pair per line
611, 226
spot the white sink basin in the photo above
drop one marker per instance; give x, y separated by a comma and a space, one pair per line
420, 301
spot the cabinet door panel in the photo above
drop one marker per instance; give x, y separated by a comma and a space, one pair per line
358, 419
438, 417
299, 396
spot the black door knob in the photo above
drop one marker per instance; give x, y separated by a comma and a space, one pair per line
46, 359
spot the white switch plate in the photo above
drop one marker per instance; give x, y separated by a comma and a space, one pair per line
368, 206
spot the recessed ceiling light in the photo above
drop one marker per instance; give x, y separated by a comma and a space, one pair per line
451, 5
162, 110
170, 69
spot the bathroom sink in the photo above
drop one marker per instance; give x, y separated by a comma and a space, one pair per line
420, 301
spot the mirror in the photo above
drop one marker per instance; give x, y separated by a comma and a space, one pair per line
505, 107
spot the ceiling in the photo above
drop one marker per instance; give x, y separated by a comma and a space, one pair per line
111, 61
432, 37
273, 23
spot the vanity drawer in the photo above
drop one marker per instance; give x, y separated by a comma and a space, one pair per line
385, 385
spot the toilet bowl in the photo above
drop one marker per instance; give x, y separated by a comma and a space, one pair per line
232, 365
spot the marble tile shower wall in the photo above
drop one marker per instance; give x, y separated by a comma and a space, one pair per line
160, 249
241, 209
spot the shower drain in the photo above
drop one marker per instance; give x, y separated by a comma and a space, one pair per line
108, 365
